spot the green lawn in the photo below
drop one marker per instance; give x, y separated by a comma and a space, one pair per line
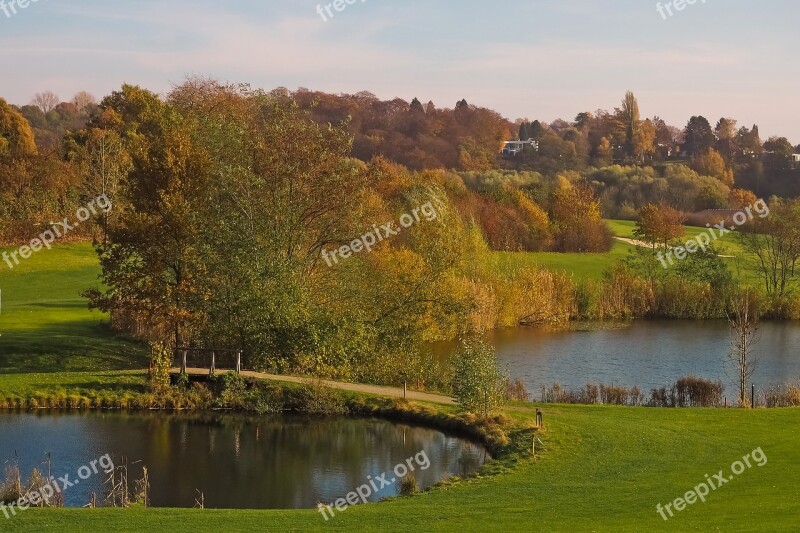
45, 325
581, 266
601, 469
593, 266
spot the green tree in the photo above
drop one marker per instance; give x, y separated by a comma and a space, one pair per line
478, 382
698, 136
631, 119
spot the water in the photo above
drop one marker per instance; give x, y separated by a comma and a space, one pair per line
237, 462
650, 354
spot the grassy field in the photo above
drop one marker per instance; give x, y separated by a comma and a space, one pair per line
592, 266
45, 325
600, 469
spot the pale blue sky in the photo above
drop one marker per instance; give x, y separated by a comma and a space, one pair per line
542, 59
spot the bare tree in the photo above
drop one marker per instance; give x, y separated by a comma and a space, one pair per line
83, 100
773, 243
46, 101
744, 318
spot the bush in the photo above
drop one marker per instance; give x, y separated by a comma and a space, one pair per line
317, 399
516, 391
407, 486
233, 390
264, 398
161, 363
693, 391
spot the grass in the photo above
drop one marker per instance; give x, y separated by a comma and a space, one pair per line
592, 266
45, 324
27, 384
600, 469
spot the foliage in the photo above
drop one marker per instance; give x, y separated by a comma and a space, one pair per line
478, 383
316, 398
160, 366
659, 225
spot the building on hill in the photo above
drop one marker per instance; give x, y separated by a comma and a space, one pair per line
512, 148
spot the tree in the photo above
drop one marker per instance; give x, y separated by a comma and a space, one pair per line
698, 136
773, 242
727, 139
46, 101
577, 220
478, 383
16, 137
659, 224
741, 199
644, 140
84, 101
630, 117
778, 160
711, 163
743, 318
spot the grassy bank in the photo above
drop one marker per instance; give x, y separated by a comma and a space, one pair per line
600, 469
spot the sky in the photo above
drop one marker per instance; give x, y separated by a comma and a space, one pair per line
535, 59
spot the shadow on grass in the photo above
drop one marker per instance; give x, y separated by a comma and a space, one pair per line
76, 346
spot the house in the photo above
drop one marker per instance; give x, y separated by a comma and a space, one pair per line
512, 148
796, 160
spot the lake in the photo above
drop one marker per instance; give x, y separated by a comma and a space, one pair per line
650, 354
237, 462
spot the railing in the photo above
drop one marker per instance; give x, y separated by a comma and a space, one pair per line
211, 358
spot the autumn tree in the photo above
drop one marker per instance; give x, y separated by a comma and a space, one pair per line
740, 199
83, 101
16, 137
711, 163
644, 140
577, 219
659, 225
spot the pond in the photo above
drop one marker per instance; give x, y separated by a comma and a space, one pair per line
649, 354
236, 462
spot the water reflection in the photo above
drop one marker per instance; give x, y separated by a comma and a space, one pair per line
236, 461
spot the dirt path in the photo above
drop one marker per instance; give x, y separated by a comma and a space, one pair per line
389, 392
642, 244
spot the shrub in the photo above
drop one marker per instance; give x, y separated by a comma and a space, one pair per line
233, 390
516, 391
161, 362
317, 399
693, 391
407, 486
264, 398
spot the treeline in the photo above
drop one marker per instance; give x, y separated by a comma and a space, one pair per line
725, 151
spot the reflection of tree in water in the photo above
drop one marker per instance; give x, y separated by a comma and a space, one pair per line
242, 461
